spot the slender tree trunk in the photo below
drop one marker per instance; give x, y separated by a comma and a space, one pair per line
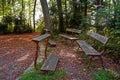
13, 2
29, 14
34, 14
66, 13
85, 7
46, 14
74, 8
61, 26
3, 8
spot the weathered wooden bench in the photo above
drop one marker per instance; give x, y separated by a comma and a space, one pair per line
37, 40
89, 50
51, 63
72, 39
52, 60
72, 30
52, 43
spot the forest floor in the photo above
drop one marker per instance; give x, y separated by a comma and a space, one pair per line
17, 53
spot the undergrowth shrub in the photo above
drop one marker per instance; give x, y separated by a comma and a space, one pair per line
113, 49
104, 75
38, 75
3, 28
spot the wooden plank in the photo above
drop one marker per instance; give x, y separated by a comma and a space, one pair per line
52, 43
68, 37
89, 50
51, 63
40, 38
98, 37
73, 30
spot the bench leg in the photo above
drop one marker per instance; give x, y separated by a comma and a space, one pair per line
78, 48
36, 56
72, 43
102, 61
91, 57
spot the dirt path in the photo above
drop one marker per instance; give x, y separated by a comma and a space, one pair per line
17, 53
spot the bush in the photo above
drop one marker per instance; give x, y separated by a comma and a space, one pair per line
4, 29
38, 75
113, 49
103, 75
22, 29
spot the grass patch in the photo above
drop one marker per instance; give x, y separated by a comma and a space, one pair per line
49, 49
38, 75
103, 75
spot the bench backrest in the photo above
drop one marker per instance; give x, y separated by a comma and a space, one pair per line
73, 30
98, 37
40, 38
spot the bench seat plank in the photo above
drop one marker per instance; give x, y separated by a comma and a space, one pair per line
68, 37
52, 43
40, 38
89, 50
73, 30
99, 37
51, 63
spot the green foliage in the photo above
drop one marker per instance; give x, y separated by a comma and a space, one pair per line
3, 28
38, 75
40, 26
8, 19
49, 49
75, 21
113, 49
7, 25
55, 34
103, 75
22, 29
109, 32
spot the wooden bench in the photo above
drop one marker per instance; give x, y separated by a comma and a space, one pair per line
37, 40
89, 50
72, 30
72, 39
52, 43
51, 63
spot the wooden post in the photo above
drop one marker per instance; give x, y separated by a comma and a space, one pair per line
36, 55
46, 48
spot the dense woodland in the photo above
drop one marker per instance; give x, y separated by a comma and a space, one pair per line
101, 16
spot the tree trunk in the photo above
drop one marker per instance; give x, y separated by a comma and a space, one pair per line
29, 14
66, 16
85, 7
3, 8
46, 14
34, 14
22, 13
74, 8
61, 26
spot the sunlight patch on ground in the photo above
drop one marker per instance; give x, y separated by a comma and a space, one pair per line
23, 58
70, 55
8, 52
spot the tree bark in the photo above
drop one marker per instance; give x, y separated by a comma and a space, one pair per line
34, 14
85, 7
61, 26
3, 8
46, 14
